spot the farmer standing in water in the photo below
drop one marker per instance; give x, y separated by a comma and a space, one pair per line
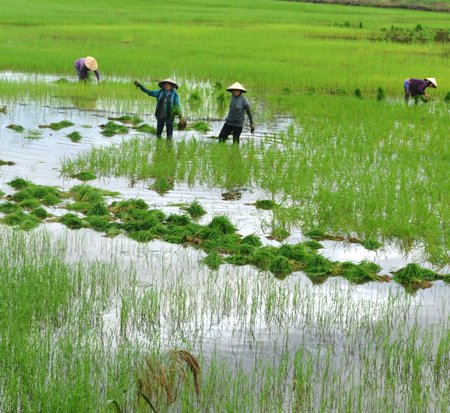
416, 87
234, 122
84, 65
167, 106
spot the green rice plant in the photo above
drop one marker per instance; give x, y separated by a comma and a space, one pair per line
9, 163
222, 225
16, 128
79, 206
358, 273
40, 213
9, 207
146, 128
358, 93
245, 249
30, 204
162, 185
263, 257
86, 193
48, 195
381, 94
265, 204
314, 245
74, 136
98, 208
298, 252
280, 267
21, 220
252, 239
213, 260
279, 234
19, 183
195, 210
147, 235
371, 244
316, 234
111, 129
101, 223
199, 126
128, 119
237, 259
414, 277
318, 265
72, 221
56, 126
118, 207
84, 176
221, 243
51, 199
178, 220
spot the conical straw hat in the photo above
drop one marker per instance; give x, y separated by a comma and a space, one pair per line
432, 80
236, 86
90, 63
160, 84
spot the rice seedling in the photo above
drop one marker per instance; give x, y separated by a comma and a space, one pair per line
84, 176
199, 126
213, 260
74, 136
265, 204
20, 220
222, 225
72, 221
40, 213
279, 234
280, 267
111, 129
163, 185
30, 204
9, 163
413, 277
252, 240
146, 128
16, 128
19, 183
371, 244
56, 126
195, 210
9, 207
128, 119
118, 207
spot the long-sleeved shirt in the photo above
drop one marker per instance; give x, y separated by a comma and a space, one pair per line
417, 86
83, 71
238, 106
167, 102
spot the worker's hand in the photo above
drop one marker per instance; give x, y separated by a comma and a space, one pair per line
252, 128
137, 84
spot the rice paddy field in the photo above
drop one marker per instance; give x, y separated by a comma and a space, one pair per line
305, 270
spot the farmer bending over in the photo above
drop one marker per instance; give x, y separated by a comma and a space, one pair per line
167, 105
83, 66
234, 122
416, 87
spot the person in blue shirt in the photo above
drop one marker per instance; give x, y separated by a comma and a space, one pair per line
167, 105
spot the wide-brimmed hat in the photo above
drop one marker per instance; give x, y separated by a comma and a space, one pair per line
432, 80
90, 63
172, 82
236, 86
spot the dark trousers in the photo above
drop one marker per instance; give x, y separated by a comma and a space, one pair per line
160, 126
227, 129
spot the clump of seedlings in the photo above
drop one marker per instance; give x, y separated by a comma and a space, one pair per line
56, 126
213, 260
414, 277
21, 220
8, 163
195, 210
371, 244
265, 204
16, 128
74, 136
163, 185
146, 128
200, 126
72, 221
84, 176
279, 234
111, 129
128, 119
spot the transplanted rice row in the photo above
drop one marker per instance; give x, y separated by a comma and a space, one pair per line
219, 239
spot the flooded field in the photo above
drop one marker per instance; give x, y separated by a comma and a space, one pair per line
292, 343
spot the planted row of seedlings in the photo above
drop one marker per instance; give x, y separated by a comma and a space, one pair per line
218, 239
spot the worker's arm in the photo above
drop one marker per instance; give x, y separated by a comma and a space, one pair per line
97, 75
249, 114
153, 93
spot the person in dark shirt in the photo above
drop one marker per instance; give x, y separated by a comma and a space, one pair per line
416, 87
234, 122
167, 105
84, 65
